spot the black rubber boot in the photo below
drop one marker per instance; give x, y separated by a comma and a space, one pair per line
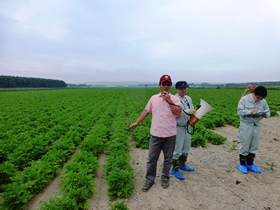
243, 160
182, 163
175, 171
250, 164
250, 159
182, 160
175, 164
243, 163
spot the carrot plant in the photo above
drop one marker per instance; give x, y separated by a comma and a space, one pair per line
119, 173
120, 205
41, 129
272, 166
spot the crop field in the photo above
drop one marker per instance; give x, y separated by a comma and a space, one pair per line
42, 131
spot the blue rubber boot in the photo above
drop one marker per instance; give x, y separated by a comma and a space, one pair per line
242, 169
250, 164
182, 163
254, 168
243, 162
186, 168
177, 174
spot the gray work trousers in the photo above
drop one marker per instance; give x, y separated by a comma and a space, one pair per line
156, 145
183, 142
249, 138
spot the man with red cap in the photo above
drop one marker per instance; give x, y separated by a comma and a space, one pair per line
164, 108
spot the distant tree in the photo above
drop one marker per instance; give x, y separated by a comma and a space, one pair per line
24, 82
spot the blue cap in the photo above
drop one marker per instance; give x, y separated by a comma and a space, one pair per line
181, 84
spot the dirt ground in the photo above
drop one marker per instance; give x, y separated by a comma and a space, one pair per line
215, 184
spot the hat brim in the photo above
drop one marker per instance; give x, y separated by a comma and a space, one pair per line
185, 86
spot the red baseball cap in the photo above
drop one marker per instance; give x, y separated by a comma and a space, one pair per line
164, 78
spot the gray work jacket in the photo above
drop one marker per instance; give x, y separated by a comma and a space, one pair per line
186, 103
246, 105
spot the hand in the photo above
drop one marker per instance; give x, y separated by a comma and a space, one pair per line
165, 95
133, 125
192, 111
254, 111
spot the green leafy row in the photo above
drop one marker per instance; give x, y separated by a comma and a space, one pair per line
119, 173
78, 179
24, 185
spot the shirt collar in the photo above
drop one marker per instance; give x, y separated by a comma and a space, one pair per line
180, 96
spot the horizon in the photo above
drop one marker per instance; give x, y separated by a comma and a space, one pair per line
143, 82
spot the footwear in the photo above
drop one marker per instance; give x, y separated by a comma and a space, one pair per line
243, 159
242, 169
146, 187
186, 168
250, 158
177, 174
254, 168
165, 183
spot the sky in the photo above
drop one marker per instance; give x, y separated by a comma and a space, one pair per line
80, 41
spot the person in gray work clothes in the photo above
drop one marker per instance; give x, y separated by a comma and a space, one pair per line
251, 109
183, 138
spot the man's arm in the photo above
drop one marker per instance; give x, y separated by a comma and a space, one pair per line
245, 92
241, 110
143, 115
176, 110
266, 107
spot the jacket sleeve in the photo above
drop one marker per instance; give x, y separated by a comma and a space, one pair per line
266, 107
241, 109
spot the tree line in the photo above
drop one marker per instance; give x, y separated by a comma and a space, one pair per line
28, 82
268, 84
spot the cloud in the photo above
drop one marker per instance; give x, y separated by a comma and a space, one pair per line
40, 17
78, 40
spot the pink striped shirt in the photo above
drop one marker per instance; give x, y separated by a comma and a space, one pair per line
163, 120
